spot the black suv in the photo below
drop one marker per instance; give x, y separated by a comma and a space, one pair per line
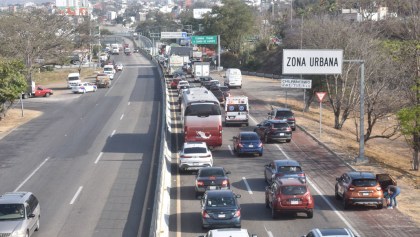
283, 114
269, 130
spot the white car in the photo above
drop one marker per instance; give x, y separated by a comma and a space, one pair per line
182, 84
229, 232
195, 155
119, 67
84, 87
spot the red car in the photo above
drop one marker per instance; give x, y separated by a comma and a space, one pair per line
174, 83
289, 195
42, 92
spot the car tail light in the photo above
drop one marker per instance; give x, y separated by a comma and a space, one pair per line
378, 188
308, 198
260, 144
288, 129
237, 213
205, 214
206, 156
199, 183
301, 175
225, 183
220, 129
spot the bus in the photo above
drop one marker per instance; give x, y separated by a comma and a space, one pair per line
201, 117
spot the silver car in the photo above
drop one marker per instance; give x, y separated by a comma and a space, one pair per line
19, 214
341, 232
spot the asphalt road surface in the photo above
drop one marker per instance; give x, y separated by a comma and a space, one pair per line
91, 159
320, 165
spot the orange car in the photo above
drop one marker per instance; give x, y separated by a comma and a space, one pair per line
362, 188
289, 195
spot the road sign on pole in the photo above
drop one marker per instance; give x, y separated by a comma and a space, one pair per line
296, 83
321, 96
312, 61
173, 35
204, 39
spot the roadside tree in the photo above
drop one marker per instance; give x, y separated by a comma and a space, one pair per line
12, 84
28, 36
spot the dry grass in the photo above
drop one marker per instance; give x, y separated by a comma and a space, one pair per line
385, 156
60, 75
14, 119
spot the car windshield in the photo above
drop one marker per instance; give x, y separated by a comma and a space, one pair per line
212, 172
249, 136
293, 190
220, 201
284, 114
364, 182
203, 110
282, 169
11, 212
195, 150
73, 78
280, 125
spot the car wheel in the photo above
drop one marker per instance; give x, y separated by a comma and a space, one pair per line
294, 129
336, 193
288, 140
25, 96
310, 213
345, 203
37, 224
380, 206
266, 140
47, 94
273, 213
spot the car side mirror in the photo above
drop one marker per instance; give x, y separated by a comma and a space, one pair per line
238, 195
31, 215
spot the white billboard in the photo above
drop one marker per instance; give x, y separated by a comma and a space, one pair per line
312, 61
296, 83
199, 12
173, 35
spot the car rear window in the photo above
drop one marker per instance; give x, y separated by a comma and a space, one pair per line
286, 114
364, 182
251, 136
280, 125
212, 172
294, 190
220, 201
289, 169
195, 150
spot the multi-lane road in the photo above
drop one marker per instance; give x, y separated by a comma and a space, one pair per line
91, 159
320, 165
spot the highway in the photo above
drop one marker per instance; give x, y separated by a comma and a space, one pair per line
320, 165
91, 159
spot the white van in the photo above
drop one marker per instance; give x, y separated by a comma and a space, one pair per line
73, 79
233, 78
110, 71
236, 110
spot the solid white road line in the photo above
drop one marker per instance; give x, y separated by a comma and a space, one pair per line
247, 185
76, 195
128, 102
252, 118
338, 213
113, 132
230, 149
122, 116
30, 176
98, 158
269, 233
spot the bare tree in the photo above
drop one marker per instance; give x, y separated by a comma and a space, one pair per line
31, 35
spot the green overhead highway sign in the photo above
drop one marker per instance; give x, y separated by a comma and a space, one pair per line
204, 39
